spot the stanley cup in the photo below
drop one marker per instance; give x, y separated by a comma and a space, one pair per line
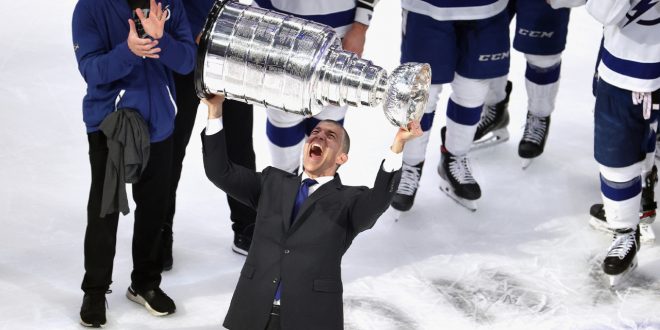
295, 65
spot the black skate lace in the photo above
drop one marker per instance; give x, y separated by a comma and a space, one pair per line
459, 167
621, 245
535, 129
409, 180
487, 116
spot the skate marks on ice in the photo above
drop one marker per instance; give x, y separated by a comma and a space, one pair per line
493, 292
464, 291
380, 314
637, 283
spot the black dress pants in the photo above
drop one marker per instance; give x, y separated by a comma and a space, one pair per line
274, 320
237, 120
149, 194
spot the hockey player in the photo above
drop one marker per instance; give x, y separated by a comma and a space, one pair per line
648, 206
541, 29
466, 44
350, 19
627, 93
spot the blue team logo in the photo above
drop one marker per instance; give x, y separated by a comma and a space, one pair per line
640, 9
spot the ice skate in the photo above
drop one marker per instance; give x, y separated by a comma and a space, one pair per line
457, 180
598, 221
621, 257
396, 214
534, 137
492, 127
405, 195
647, 211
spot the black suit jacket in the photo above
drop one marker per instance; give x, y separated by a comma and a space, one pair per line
305, 256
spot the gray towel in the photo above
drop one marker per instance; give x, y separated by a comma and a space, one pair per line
128, 154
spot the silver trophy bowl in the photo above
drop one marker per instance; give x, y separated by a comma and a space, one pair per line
295, 65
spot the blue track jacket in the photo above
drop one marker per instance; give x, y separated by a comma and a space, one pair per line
197, 11
117, 78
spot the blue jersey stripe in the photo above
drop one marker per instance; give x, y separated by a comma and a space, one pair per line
543, 76
631, 68
459, 3
463, 115
427, 121
334, 20
620, 191
285, 137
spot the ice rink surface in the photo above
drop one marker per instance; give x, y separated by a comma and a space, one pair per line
527, 259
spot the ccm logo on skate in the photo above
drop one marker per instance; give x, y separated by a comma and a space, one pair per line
494, 57
536, 34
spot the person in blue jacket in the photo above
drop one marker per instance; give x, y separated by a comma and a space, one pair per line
126, 52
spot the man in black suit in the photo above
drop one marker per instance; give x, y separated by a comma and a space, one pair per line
292, 276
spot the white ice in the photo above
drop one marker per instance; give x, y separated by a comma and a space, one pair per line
527, 259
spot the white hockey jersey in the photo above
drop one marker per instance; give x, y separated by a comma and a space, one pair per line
339, 14
452, 10
631, 54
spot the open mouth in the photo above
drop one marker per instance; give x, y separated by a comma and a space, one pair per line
315, 150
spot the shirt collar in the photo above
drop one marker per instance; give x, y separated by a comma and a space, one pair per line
321, 180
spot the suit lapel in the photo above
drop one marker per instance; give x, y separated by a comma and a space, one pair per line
289, 192
322, 192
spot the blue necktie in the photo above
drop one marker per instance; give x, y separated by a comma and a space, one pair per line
303, 193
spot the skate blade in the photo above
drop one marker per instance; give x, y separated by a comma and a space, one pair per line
468, 204
526, 162
646, 233
617, 280
600, 225
396, 214
491, 139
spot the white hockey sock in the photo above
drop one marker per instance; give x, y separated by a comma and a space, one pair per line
286, 136
542, 83
496, 90
621, 192
463, 113
415, 150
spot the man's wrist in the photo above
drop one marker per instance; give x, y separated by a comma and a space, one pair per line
397, 146
360, 27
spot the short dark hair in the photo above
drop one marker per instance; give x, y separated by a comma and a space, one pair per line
346, 143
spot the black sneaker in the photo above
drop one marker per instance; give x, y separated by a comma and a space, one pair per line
622, 252
92, 311
155, 301
241, 244
405, 195
534, 137
167, 241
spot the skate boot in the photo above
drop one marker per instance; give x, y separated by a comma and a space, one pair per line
598, 220
491, 129
621, 257
405, 195
458, 182
646, 214
534, 137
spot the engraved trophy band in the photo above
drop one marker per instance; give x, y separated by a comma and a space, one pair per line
295, 65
